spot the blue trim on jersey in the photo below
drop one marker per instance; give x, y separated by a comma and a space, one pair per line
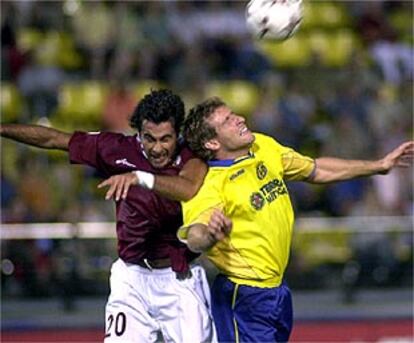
229, 162
220, 163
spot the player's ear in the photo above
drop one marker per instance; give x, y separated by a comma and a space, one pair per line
212, 144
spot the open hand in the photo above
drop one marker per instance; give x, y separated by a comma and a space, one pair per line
119, 185
399, 157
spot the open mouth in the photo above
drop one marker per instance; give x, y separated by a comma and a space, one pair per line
243, 131
158, 159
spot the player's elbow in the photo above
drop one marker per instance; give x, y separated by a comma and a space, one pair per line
322, 177
59, 140
197, 240
194, 245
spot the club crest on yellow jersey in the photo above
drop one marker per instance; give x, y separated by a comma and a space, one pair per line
257, 200
261, 171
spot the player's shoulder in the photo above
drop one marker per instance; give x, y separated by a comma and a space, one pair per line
106, 136
119, 137
184, 153
263, 141
114, 142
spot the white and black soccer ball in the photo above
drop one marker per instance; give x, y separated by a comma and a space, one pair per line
273, 19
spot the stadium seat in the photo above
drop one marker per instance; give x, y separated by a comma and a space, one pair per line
310, 16
402, 22
9, 152
57, 48
11, 102
291, 53
332, 15
242, 96
319, 44
327, 15
28, 38
80, 104
334, 49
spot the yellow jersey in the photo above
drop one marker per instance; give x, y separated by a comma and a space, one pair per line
251, 191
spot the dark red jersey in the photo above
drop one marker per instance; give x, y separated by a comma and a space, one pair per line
146, 223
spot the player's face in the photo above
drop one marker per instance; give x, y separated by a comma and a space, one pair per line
159, 142
233, 137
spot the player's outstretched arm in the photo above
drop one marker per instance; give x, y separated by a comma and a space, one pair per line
38, 136
201, 237
181, 187
329, 169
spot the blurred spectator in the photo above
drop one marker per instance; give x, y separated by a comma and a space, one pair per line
129, 43
342, 196
182, 22
12, 59
39, 84
266, 118
8, 191
343, 131
118, 108
220, 19
297, 108
67, 275
350, 100
160, 52
189, 71
94, 31
384, 110
394, 58
394, 192
41, 15
248, 63
36, 191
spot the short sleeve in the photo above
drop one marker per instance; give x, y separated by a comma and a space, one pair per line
83, 148
296, 166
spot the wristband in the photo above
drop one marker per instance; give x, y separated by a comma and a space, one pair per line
145, 180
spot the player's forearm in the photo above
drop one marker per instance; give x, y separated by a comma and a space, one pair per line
175, 187
199, 239
329, 169
39, 136
186, 184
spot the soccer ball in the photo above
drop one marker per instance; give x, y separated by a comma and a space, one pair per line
273, 19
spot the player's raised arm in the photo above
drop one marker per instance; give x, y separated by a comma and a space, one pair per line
35, 135
329, 169
181, 187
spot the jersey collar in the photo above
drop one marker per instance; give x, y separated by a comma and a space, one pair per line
229, 162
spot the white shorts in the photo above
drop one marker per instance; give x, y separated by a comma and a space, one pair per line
143, 302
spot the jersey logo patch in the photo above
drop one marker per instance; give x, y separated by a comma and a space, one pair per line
177, 161
261, 171
125, 162
257, 201
236, 174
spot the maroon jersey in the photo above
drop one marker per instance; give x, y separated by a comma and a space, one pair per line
146, 223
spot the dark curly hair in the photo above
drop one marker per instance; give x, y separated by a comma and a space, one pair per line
159, 106
197, 131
